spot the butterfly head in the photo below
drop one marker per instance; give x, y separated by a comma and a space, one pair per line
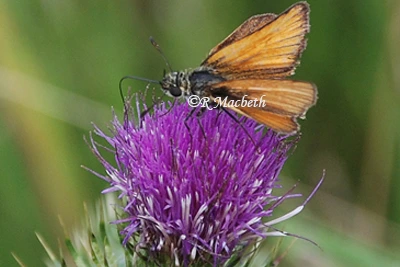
172, 84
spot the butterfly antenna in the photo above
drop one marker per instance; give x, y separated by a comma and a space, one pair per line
133, 78
157, 46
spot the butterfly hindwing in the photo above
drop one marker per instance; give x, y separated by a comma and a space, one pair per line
284, 97
277, 122
275, 103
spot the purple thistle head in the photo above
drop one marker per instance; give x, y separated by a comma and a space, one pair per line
197, 187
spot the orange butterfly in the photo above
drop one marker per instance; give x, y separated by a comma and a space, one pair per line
251, 64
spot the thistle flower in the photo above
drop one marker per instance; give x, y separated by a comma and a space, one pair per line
196, 186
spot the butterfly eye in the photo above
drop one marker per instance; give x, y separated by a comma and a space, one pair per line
175, 91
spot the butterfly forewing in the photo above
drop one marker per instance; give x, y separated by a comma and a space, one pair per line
249, 26
269, 50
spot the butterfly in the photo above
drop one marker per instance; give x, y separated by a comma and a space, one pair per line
252, 63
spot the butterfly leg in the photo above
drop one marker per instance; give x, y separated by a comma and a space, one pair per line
201, 126
238, 122
200, 112
173, 104
186, 120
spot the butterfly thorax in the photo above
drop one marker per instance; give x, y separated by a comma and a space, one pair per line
189, 82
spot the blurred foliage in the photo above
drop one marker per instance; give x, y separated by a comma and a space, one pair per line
60, 63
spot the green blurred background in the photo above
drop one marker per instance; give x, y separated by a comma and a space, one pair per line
60, 63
